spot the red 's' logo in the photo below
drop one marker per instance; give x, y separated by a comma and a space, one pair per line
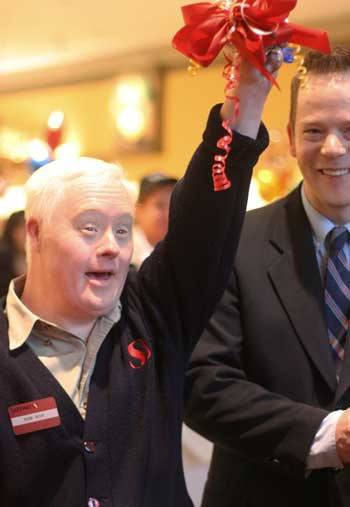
140, 353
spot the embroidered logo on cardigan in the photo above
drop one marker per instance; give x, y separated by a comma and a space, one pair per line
140, 353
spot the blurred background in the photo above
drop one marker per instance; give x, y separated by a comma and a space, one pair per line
101, 79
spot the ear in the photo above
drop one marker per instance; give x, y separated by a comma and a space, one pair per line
291, 137
33, 229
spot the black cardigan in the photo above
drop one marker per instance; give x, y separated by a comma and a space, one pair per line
132, 433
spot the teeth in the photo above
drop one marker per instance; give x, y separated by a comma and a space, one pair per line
335, 172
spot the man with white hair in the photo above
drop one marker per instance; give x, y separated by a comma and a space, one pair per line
92, 359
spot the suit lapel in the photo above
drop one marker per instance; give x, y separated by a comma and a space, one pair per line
294, 273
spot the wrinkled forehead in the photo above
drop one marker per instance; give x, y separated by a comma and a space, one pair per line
108, 194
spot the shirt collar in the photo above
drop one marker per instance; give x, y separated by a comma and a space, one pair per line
320, 225
21, 320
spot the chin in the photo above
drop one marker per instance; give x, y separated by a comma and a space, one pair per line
340, 202
94, 309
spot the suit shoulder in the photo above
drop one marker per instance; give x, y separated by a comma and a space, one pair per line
265, 211
258, 220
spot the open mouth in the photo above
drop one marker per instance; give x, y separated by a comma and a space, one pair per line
100, 276
335, 172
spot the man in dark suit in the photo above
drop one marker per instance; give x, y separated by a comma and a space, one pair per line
269, 381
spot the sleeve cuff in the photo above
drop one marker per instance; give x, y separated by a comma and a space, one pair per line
323, 452
241, 143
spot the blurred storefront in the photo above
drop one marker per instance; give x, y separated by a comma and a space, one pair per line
171, 110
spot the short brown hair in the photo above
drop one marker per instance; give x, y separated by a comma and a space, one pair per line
337, 61
152, 182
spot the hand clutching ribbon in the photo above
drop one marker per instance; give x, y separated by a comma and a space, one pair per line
248, 26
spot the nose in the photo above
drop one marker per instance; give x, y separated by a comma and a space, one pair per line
108, 246
334, 146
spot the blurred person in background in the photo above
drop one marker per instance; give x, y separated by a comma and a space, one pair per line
151, 214
12, 250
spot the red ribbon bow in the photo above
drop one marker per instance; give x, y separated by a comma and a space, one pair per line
250, 25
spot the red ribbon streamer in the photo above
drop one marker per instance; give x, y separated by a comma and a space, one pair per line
231, 74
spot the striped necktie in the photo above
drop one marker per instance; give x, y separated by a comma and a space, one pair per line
337, 292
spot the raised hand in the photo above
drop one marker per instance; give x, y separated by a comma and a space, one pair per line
252, 92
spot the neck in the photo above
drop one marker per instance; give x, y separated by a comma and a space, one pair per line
46, 309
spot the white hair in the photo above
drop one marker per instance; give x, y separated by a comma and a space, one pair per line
47, 186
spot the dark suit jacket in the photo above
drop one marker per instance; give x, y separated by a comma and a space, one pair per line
262, 377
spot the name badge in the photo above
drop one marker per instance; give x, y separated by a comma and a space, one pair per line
34, 416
